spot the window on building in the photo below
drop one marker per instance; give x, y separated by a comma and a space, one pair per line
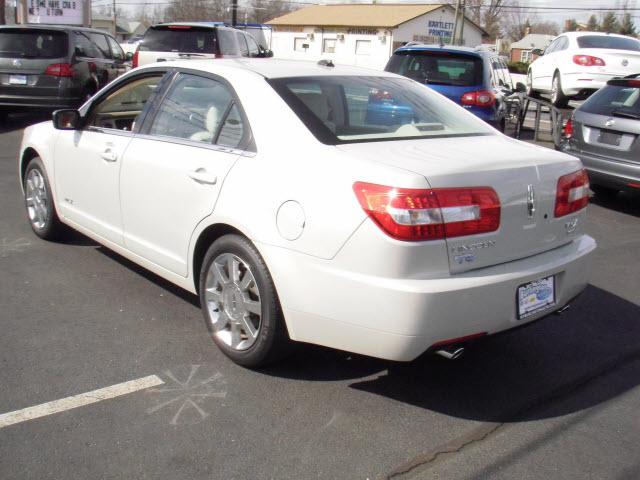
363, 47
300, 44
525, 56
329, 45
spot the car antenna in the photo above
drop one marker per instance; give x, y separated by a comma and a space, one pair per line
326, 63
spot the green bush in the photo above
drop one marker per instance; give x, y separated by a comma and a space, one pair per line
518, 67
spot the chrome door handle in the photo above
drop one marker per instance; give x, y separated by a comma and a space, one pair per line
201, 176
109, 155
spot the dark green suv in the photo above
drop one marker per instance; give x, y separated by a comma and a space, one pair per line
50, 67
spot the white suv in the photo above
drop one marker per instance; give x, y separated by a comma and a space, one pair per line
577, 64
173, 41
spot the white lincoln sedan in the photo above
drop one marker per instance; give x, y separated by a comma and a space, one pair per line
304, 202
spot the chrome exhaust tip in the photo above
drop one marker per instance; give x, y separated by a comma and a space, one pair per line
450, 354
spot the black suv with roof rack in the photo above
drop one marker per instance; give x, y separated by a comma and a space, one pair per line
46, 67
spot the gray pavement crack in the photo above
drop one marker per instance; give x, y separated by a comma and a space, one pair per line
486, 429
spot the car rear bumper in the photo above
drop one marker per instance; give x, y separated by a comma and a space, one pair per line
399, 319
576, 83
609, 172
27, 102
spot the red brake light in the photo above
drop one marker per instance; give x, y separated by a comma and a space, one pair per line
588, 61
179, 27
480, 98
567, 131
60, 70
572, 193
134, 60
430, 214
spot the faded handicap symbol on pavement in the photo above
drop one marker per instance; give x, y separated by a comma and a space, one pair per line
188, 395
16, 246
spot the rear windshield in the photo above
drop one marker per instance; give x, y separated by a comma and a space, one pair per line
348, 109
179, 39
32, 43
614, 101
438, 68
615, 43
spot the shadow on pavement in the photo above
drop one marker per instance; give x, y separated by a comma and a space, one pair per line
21, 120
518, 376
624, 202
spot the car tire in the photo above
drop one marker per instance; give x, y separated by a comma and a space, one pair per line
558, 98
240, 303
530, 91
38, 198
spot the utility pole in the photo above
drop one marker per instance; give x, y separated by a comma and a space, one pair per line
455, 24
2, 12
462, 20
115, 23
234, 12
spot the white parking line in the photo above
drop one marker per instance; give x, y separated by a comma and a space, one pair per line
80, 400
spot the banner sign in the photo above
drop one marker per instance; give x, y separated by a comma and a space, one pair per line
55, 12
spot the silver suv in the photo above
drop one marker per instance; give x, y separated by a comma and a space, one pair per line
605, 133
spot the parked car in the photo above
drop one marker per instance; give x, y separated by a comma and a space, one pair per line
49, 67
477, 79
173, 41
261, 187
604, 133
576, 64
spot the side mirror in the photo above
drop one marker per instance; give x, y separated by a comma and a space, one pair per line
268, 53
67, 119
128, 56
537, 51
521, 87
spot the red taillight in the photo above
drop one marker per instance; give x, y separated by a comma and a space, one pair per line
430, 214
134, 59
179, 27
480, 98
588, 61
60, 70
567, 131
572, 193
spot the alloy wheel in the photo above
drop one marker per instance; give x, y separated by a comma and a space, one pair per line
37, 199
233, 302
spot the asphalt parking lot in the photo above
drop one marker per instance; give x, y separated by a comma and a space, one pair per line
558, 399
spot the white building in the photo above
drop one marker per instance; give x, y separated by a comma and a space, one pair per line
364, 34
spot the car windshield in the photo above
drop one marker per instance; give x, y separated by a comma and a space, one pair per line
438, 68
346, 109
32, 43
614, 100
179, 38
605, 41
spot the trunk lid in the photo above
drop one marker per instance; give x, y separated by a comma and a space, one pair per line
511, 168
619, 63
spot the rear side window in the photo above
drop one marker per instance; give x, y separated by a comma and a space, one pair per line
86, 47
199, 109
614, 100
24, 43
100, 41
227, 42
179, 39
438, 68
615, 43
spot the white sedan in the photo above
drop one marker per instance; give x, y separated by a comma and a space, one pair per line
577, 64
302, 202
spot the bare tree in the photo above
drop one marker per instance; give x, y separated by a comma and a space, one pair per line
2, 12
487, 14
264, 10
196, 10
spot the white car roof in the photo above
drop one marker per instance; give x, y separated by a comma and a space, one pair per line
600, 34
272, 68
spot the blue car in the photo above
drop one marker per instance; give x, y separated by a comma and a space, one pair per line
474, 78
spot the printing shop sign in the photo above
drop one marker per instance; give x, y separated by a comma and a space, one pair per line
438, 28
55, 12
